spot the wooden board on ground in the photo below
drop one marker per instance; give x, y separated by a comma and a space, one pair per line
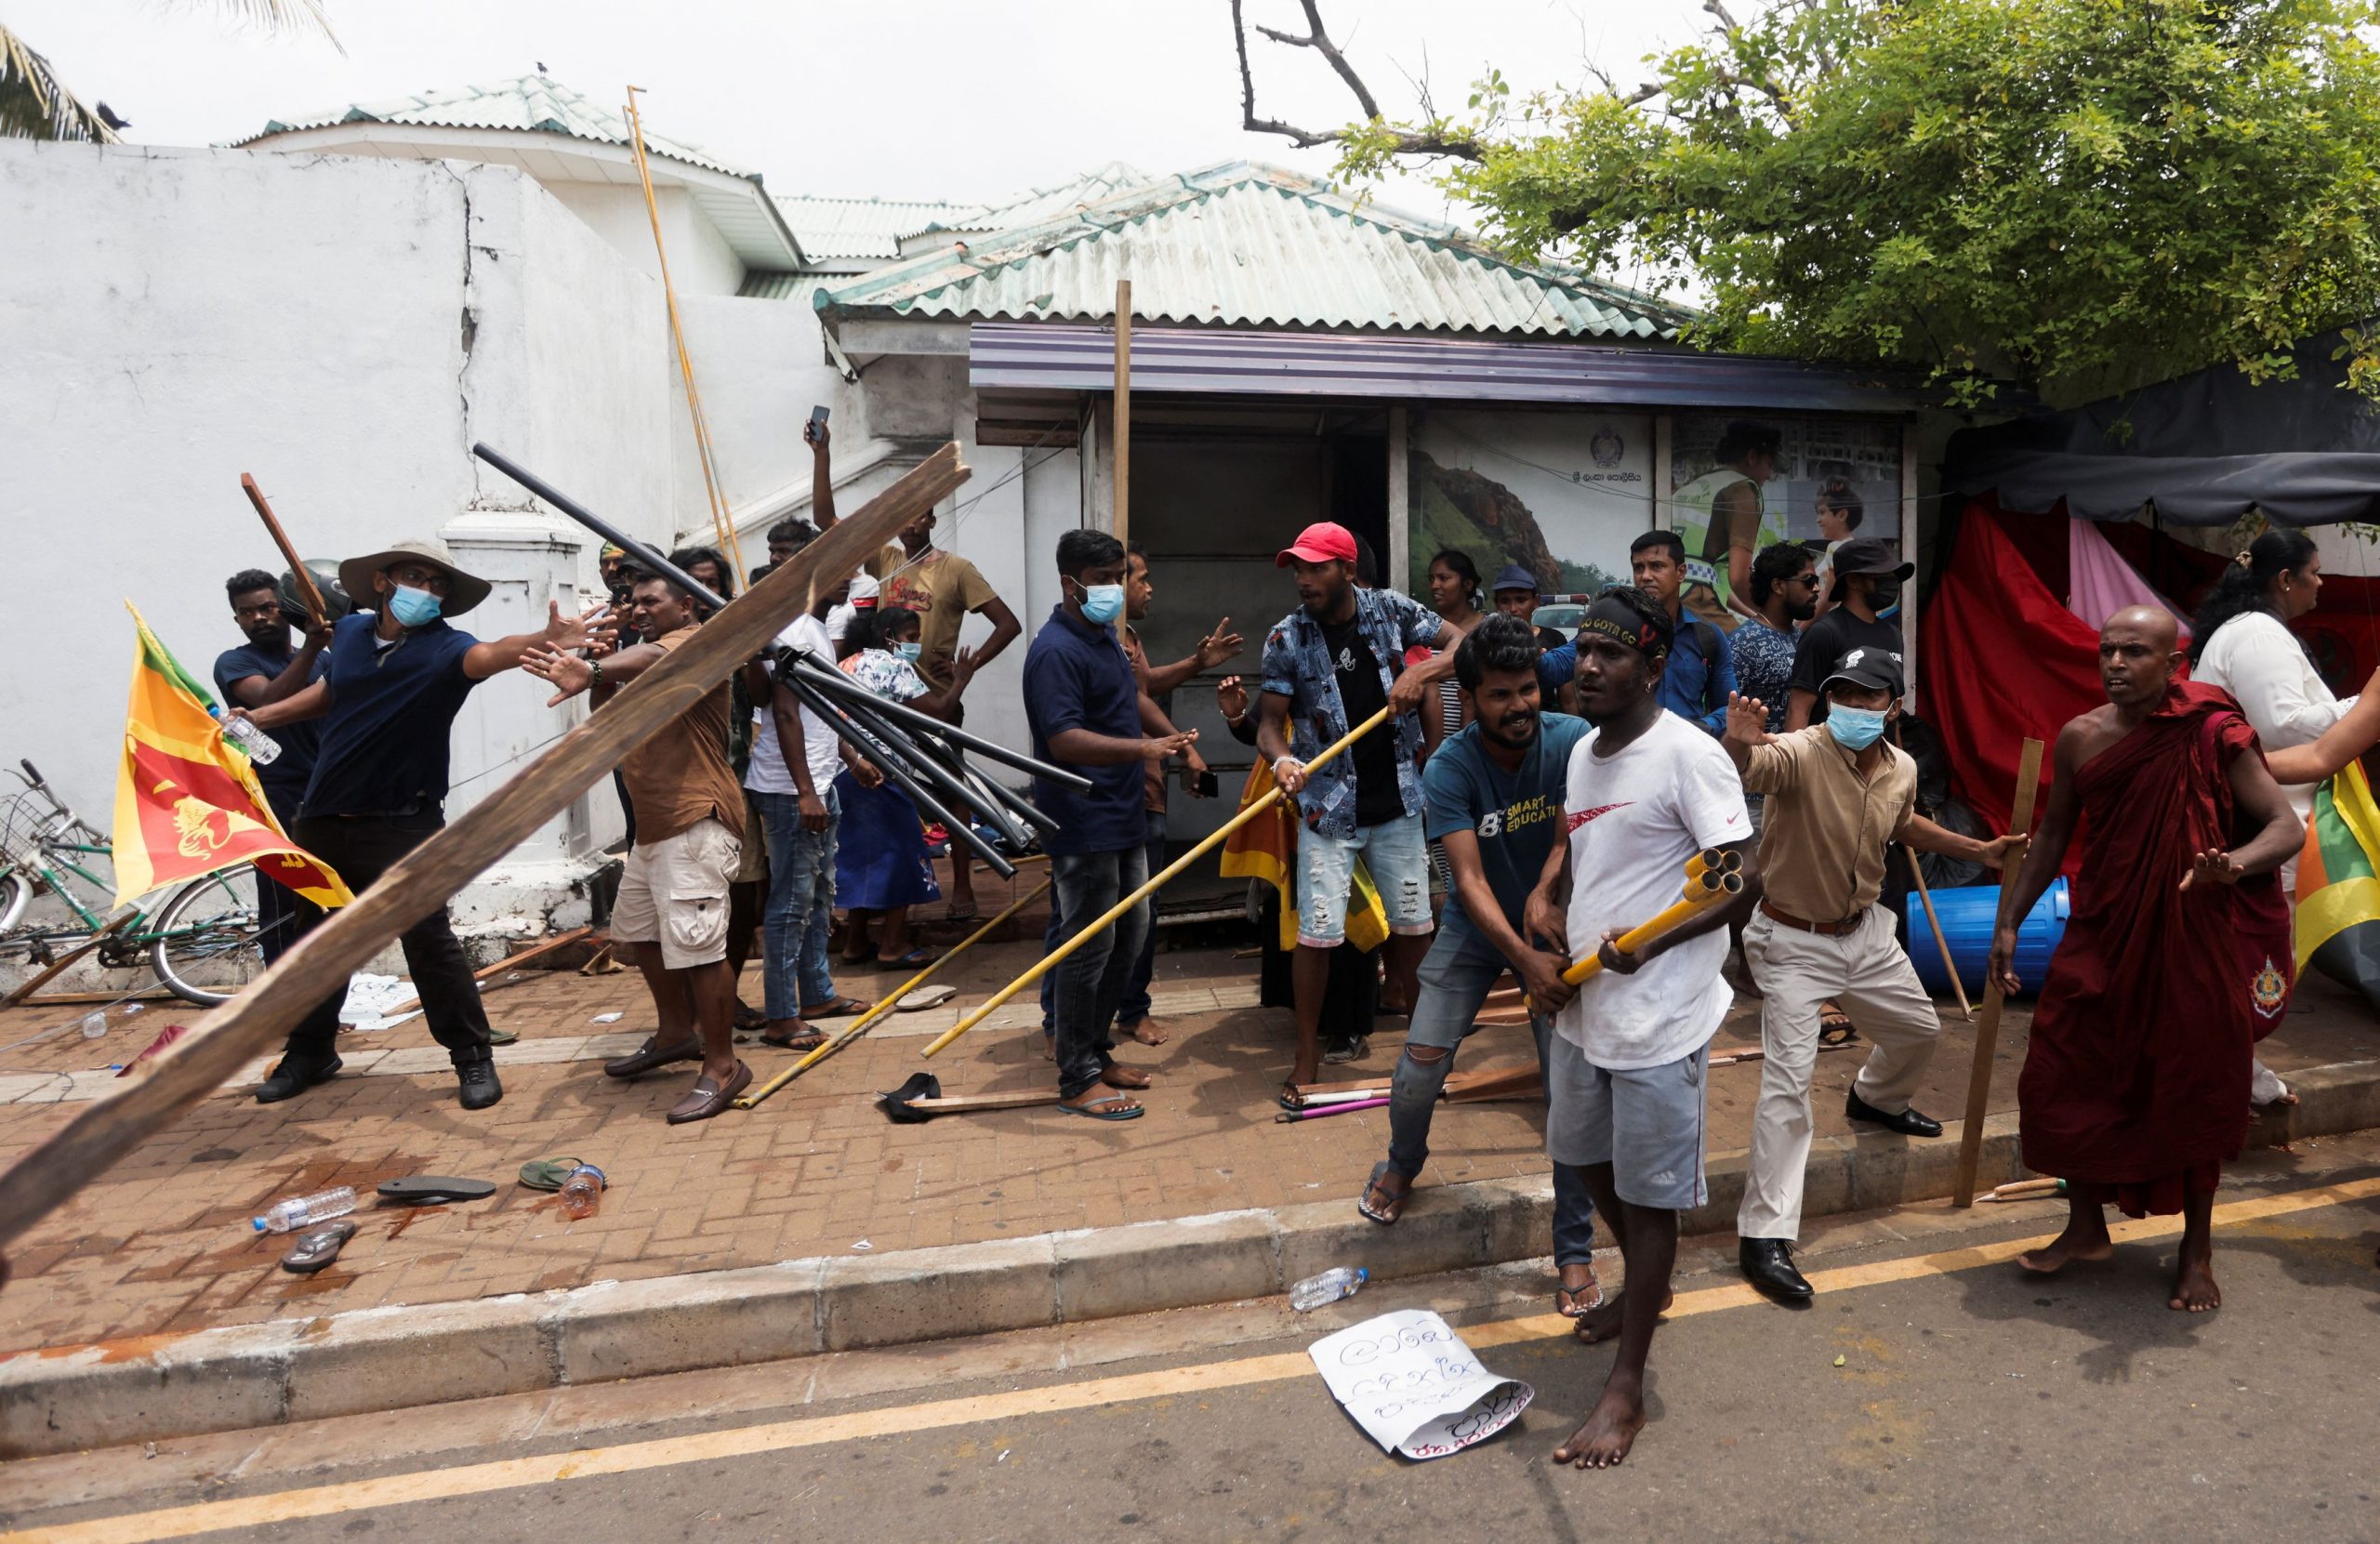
1456, 1082
513, 962
109, 1127
27, 987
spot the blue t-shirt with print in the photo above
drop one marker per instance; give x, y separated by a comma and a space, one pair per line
1515, 815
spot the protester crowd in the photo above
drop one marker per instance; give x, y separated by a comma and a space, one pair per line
1491, 798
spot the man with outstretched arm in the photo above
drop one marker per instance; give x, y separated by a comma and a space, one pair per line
1836, 794
2177, 956
1495, 802
1646, 791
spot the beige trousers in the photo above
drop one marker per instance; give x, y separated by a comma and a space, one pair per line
1867, 973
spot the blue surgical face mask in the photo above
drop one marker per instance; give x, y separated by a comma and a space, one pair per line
1101, 603
1856, 727
909, 650
413, 607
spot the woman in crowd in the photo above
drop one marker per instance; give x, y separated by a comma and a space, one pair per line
1454, 595
880, 865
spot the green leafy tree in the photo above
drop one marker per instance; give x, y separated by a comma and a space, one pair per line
36, 105
2074, 195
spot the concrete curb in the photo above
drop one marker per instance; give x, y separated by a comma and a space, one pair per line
62, 1398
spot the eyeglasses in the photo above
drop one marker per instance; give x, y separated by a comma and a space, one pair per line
414, 574
1809, 580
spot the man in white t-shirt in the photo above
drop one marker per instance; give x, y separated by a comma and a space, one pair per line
1624, 1069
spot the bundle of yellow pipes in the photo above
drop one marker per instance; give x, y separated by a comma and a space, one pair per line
1711, 878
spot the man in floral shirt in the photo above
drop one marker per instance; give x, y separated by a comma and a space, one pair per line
1328, 667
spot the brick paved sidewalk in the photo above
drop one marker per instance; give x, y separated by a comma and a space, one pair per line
161, 1243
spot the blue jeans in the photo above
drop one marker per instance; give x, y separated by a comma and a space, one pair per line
801, 906
1090, 981
1456, 977
1136, 1005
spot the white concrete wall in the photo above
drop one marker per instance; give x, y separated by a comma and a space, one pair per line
172, 318
700, 260
762, 367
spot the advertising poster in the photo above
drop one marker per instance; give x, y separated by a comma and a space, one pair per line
1780, 478
1560, 493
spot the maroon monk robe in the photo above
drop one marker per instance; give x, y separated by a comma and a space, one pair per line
2138, 1071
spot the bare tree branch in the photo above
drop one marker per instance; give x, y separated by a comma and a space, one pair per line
1406, 141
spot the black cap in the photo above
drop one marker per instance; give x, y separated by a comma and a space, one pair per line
1871, 555
1869, 669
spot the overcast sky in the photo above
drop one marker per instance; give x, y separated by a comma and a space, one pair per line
907, 98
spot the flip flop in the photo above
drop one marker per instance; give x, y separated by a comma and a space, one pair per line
1577, 1309
809, 1042
955, 915
429, 1189
1290, 1099
546, 1173
1105, 1109
1364, 1202
909, 961
841, 1007
317, 1248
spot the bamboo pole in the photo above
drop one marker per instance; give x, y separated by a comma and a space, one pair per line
104, 1131
1941, 945
1123, 429
314, 596
751, 1101
720, 529
1717, 888
1213, 839
1986, 1029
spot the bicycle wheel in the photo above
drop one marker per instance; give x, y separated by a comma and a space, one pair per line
15, 890
204, 942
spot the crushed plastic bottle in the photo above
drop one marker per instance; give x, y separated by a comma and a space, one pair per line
582, 1191
259, 746
1339, 1281
95, 1022
304, 1211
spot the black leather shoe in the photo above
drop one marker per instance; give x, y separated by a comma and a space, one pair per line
651, 1054
1908, 1123
1768, 1265
290, 1078
479, 1087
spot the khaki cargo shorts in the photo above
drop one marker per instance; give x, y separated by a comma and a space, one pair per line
673, 892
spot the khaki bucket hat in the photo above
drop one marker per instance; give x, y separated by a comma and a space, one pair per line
462, 590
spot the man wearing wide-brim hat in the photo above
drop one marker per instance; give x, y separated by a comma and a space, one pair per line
398, 672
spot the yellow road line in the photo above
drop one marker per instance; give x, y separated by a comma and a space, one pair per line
251, 1512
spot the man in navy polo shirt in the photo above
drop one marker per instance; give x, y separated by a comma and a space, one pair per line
1087, 711
398, 675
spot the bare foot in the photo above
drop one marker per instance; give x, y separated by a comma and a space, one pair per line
1149, 1032
2194, 1288
2085, 1238
1599, 1324
1609, 1433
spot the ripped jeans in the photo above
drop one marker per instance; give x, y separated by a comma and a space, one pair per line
1394, 854
1456, 976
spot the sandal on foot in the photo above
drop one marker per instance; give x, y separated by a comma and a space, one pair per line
841, 1007
954, 914
914, 959
1835, 1029
1112, 1107
1583, 1301
809, 1042
1385, 1215
317, 1248
1290, 1099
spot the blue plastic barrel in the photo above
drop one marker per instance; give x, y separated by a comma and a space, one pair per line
1967, 914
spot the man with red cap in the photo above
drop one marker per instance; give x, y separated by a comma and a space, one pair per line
1328, 667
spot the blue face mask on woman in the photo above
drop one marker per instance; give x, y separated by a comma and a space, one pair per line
1856, 727
413, 607
1101, 604
909, 650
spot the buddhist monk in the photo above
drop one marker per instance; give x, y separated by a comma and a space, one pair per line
2176, 957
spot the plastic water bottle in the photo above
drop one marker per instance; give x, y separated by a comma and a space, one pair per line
1339, 1281
582, 1191
304, 1211
259, 746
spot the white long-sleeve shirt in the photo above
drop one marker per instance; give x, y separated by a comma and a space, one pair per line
2266, 669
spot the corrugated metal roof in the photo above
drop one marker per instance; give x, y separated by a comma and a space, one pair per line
535, 104
1253, 245
1038, 205
833, 228
1009, 356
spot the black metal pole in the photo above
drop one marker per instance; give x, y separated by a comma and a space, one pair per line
923, 764
901, 714
891, 761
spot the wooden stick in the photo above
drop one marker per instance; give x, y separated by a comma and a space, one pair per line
1456, 1082
1719, 887
600, 962
887, 1003
108, 1128
535, 951
67, 999
313, 596
1925, 899
1986, 1029
1213, 839
32, 983
955, 1104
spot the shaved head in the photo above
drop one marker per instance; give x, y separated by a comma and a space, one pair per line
2139, 656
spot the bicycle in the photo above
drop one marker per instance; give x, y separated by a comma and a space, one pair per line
202, 944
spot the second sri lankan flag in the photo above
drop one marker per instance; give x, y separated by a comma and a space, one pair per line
2339, 883
187, 804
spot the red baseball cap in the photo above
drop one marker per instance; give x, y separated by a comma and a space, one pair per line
1322, 542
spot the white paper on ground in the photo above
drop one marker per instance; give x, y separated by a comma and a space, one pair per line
1414, 1387
368, 997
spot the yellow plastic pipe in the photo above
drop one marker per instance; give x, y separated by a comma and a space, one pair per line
1717, 887
1725, 860
1213, 839
891, 1000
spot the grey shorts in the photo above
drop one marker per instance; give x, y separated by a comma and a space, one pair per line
1647, 1124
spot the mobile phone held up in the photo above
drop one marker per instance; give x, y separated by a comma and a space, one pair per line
816, 429
1205, 784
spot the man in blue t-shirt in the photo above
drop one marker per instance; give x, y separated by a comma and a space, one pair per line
262, 670
1085, 708
1495, 796
398, 675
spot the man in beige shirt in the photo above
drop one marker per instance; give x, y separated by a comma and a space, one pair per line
1836, 794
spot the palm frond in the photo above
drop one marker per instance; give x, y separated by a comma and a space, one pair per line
281, 16
35, 106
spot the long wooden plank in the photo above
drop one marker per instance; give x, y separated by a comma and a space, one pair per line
535, 951
953, 1104
109, 1127
1987, 1028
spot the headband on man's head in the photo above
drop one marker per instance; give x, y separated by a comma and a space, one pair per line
1616, 619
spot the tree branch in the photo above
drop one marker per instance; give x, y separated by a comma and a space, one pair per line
1406, 141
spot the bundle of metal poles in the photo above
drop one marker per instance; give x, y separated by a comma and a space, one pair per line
921, 756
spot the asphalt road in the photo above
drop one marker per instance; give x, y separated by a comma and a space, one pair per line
1971, 1403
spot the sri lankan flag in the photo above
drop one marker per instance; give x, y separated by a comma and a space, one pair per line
2339, 884
1266, 849
187, 804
